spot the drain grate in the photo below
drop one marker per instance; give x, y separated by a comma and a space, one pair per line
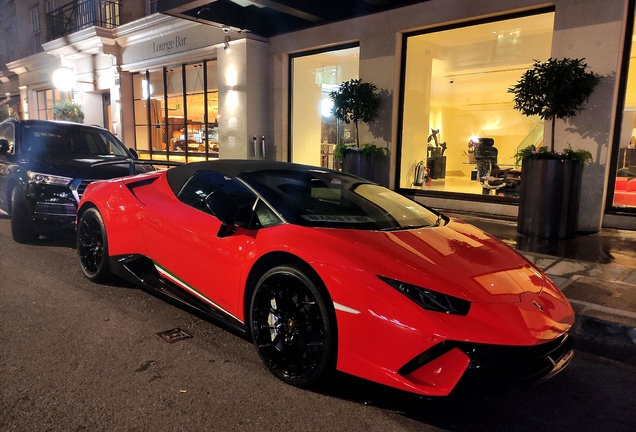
174, 335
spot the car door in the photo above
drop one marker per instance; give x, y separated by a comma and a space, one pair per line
7, 132
182, 237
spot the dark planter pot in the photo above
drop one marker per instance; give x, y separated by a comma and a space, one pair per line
549, 198
354, 163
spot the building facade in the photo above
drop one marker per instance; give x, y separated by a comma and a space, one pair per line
183, 89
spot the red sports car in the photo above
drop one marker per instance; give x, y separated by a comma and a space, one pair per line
326, 271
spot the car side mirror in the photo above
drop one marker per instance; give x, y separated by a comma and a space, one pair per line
4, 146
225, 209
134, 153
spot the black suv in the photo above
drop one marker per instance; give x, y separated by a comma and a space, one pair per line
45, 167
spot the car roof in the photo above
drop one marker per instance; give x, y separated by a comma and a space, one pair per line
177, 176
51, 122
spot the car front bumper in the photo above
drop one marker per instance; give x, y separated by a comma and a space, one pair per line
465, 368
54, 208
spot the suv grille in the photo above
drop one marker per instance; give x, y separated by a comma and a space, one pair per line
78, 187
82, 187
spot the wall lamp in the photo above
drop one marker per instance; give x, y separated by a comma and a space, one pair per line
64, 79
226, 47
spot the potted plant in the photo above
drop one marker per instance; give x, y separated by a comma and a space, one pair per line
551, 180
357, 101
68, 111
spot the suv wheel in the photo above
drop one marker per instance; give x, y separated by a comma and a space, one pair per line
22, 227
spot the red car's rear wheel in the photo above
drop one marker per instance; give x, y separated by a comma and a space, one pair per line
293, 326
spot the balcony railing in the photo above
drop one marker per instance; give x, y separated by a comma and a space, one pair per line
81, 14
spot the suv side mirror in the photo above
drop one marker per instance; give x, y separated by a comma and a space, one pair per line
224, 208
134, 153
4, 146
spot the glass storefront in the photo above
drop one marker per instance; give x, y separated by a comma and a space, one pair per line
176, 113
459, 126
315, 131
625, 180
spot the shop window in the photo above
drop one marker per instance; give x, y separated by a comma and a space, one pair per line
46, 99
625, 181
176, 111
315, 131
456, 99
37, 29
151, 6
8, 40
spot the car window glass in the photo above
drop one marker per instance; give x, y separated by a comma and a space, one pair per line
72, 139
7, 131
265, 216
36, 141
112, 146
202, 183
329, 199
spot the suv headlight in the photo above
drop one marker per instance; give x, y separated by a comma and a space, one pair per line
39, 178
430, 300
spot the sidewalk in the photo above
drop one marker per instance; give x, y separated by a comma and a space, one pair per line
596, 272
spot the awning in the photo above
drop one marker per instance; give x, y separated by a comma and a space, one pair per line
11, 101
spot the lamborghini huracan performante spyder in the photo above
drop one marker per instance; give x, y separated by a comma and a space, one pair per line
326, 271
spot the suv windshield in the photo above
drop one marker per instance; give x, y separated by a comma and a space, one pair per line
73, 139
327, 199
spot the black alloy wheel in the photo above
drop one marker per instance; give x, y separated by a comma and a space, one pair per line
22, 226
92, 246
293, 326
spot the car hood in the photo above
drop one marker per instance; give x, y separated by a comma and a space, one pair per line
85, 167
457, 259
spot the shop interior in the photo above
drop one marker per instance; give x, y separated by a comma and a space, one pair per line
175, 116
457, 81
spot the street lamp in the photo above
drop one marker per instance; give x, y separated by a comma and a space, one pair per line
64, 79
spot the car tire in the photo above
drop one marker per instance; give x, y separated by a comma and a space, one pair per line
22, 226
293, 326
92, 246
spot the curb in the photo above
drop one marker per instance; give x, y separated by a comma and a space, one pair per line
602, 327
605, 338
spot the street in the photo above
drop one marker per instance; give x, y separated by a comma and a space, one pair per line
81, 356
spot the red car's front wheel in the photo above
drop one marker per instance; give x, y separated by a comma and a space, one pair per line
92, 246
293, 326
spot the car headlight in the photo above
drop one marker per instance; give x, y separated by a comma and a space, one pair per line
430, 300
39, 178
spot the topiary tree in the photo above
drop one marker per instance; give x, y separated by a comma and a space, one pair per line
69, 111
554, 89
355, 101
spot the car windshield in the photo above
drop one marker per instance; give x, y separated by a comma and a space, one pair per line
320, 198
69, 139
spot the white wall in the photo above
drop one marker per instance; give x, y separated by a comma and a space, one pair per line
93, 109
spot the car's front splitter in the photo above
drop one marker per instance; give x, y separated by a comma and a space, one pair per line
464, 368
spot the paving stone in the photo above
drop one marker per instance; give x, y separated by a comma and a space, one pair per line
558, 280
543, 263
630, 278
569, 268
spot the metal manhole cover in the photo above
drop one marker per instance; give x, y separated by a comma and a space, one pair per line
174, 335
